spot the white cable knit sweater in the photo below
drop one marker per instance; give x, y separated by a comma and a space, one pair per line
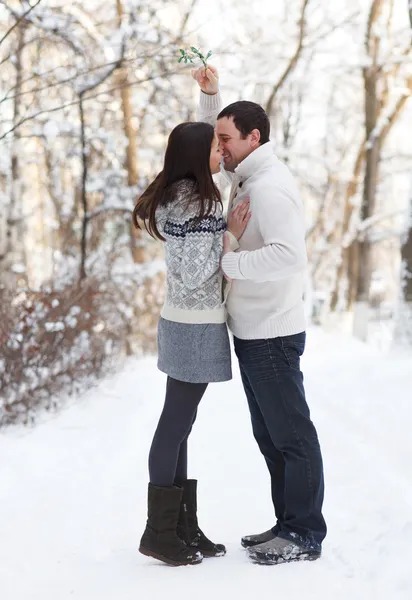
268, 269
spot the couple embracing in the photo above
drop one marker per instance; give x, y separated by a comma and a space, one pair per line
247, 270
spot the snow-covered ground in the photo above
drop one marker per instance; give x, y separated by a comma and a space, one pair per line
73, 489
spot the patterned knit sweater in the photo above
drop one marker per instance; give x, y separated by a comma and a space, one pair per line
193, 252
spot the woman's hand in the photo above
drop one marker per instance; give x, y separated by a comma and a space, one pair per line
239, 218
207, 79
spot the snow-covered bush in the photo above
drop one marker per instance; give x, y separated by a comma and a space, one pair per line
58, 341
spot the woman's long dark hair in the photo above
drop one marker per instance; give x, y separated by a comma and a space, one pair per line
187, 157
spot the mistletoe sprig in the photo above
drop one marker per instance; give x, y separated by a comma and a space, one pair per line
197, 55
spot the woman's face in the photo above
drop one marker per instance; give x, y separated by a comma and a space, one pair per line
215, 156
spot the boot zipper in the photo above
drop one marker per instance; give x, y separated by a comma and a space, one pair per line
186, 524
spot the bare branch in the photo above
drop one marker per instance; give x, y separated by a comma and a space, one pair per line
374, 13
372, 221
23, 16
186, 18
105, 209
393, 117
143, 57
76, 102
334, 27
293, 61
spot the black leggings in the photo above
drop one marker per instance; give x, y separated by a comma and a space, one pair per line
168, 453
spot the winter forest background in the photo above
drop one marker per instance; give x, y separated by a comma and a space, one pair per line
88, 95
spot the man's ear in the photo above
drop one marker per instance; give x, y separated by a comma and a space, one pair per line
255, 138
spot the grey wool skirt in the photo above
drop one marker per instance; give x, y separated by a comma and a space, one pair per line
194, 353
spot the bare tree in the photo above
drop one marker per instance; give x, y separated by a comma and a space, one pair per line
403, 332
293, 61
380, 75
404, 324
375, 134
12, 259
85, 161
122, 78
19, 20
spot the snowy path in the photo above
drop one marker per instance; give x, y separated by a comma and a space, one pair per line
73, 489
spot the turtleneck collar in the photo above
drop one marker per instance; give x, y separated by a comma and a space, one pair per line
254, 161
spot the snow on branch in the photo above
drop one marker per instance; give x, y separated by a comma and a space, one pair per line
18, 20
294, 60
389, 117
91, 97
367, 223
109, 208
114, 50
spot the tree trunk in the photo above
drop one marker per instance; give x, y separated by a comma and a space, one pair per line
406, 250
370, 183
13, 256
352, 270
406, 255
403, 329
85, 218
363, 275
351, 190
137, 247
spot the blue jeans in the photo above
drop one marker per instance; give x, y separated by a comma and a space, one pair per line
287, 438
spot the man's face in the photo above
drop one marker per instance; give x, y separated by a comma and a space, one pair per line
234, 148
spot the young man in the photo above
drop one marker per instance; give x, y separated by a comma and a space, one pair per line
266, 317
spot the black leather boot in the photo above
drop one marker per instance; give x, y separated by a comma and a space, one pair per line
188, 528
160, 539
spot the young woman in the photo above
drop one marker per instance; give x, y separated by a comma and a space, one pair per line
183, 208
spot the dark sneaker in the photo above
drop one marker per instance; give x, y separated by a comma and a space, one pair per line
248, 541
280, 550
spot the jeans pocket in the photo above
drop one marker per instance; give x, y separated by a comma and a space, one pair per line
293, 347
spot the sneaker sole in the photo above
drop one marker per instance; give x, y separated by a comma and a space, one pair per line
280, 560
168, 561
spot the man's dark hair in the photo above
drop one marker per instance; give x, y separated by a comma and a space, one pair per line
248, 116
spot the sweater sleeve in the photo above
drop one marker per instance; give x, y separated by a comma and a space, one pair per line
283, 254
208, 108
207, 111
202, 250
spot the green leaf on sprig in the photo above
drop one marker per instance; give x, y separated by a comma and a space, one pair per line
196, 54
